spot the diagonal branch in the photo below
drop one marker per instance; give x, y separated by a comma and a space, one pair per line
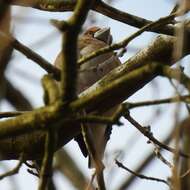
117, 86
120, 165
142, 166
149, 135
15, 170
30, 54
160, 22
129, 19
100, 7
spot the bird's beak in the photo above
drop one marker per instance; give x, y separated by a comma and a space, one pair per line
103, 35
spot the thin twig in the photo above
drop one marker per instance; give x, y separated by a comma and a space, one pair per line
176, 74
185, 98
129, 19
178, 94
180, 76
146, 132
32, 55
160, 157
34, 173
143, 165
14, 170
119, 164
125, 42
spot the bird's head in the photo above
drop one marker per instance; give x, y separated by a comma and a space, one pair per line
102, 34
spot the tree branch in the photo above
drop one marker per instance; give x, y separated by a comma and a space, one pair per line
119, 164
100, 7
118, 85
69, 49
30, 54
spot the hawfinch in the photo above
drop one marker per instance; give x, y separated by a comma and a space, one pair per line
90, 72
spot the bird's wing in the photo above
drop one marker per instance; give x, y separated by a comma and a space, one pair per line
89, 73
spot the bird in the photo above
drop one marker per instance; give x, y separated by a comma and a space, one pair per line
89, 73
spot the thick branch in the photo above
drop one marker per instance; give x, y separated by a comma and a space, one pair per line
129, 19
117, 86
100, 7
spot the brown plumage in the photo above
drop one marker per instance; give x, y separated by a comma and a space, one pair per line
89, 73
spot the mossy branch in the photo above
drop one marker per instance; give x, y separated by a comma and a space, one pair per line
123, 82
